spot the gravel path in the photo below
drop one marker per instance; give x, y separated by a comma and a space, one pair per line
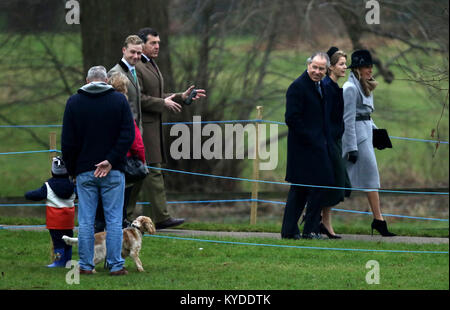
375, 238
208, 234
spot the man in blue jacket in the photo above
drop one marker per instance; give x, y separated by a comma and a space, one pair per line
98, 130
308, 156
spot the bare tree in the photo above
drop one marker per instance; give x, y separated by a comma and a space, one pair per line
105, 27
230, 48
235, 77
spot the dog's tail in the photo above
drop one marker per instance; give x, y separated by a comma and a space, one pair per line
70, 241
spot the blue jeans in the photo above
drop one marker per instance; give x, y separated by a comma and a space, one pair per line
111, 188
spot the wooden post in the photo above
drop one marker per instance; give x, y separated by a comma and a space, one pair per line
52, 138
255, 185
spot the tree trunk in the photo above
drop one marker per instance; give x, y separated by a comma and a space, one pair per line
105, 25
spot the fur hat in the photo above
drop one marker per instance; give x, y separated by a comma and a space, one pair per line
58, 166
361, 58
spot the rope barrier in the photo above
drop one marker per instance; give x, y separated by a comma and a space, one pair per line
226, 122
242, 200
245, 179
296, 246
258, 181
369, 213
295, 184
30, 152
29, 126
21, 226
258, 244
245, 200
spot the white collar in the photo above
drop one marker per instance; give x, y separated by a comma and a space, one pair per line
145, 56
128, 65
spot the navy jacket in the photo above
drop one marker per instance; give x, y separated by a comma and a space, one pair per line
97, 125
61, 186
309, 139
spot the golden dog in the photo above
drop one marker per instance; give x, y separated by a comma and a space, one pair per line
131, 244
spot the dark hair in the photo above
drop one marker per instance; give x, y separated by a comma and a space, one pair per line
144, 32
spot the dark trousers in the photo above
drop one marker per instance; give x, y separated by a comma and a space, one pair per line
100, 223
298, 197
58, 242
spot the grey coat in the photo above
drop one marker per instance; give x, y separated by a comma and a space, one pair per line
134, 93
358, 136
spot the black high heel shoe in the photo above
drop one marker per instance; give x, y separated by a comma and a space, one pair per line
381, 227
324, 230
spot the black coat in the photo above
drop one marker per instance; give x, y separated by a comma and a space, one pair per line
309, 138
335, 101
96, 126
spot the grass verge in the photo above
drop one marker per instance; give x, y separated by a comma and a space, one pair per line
173, 264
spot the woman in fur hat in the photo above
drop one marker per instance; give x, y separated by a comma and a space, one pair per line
357, 146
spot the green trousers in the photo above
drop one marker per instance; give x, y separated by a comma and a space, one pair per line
152, 190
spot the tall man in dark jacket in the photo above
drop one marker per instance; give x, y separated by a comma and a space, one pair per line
98, 130
308, 159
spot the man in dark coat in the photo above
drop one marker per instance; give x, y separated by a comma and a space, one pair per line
308, 161
98, 131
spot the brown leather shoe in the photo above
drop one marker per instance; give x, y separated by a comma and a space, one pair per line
88, 272
121, 272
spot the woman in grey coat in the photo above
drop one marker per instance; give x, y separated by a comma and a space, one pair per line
357, 146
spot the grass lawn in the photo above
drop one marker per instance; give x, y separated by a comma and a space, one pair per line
173, 264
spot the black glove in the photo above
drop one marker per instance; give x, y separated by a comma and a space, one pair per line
352, 156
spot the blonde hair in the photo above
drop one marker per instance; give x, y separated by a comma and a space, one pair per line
132, 39
335, 58
368, 86
119, 81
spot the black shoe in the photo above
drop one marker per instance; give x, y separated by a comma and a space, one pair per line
381, 227
171, 222
324, 230
312, 236
295, 237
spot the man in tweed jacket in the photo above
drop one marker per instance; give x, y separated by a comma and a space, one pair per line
154, 102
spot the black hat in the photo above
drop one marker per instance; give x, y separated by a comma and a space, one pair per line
331, 51
361, 58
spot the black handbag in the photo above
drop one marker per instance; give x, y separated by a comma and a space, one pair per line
134, 169
381, 139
